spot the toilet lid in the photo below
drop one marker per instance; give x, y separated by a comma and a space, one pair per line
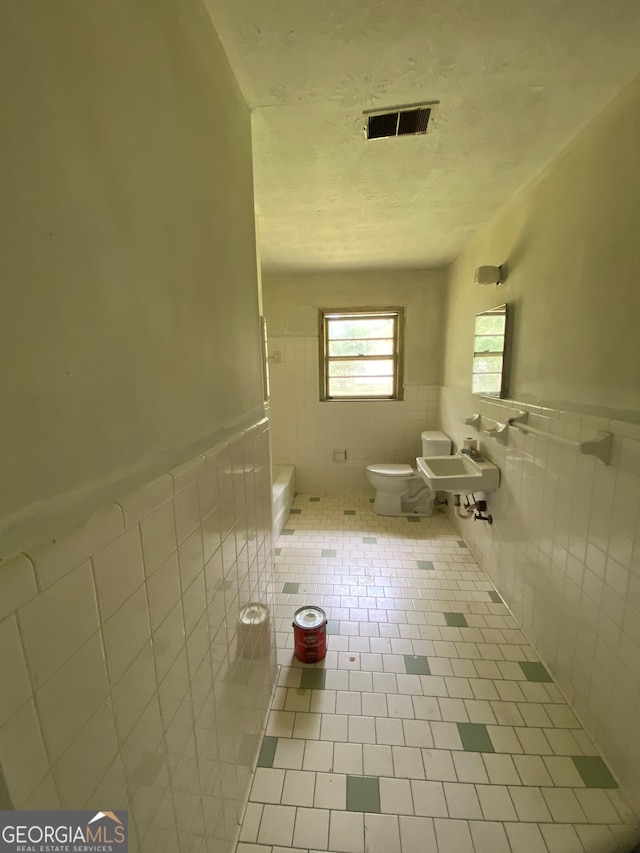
391, 470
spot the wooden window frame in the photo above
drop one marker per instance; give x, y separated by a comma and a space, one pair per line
326, 315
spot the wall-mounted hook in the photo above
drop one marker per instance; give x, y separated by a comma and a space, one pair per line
474, 420
499, 432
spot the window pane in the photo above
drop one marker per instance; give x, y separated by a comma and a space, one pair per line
362, 367
379, 347
490, 324
360, 352
487, 383
489, 343
361, 387
487, 364
375, 327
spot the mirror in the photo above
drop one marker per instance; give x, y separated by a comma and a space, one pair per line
489, 352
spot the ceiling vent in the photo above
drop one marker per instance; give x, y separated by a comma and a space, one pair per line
411, 120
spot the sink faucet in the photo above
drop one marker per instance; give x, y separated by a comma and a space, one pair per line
471, 453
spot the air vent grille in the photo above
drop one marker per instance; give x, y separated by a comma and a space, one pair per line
381, 126
413, 121
406, 121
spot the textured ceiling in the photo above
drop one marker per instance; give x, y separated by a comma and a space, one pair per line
515, 80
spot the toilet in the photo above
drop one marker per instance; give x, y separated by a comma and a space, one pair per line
400, 490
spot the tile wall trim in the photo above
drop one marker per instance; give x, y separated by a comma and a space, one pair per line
27, 527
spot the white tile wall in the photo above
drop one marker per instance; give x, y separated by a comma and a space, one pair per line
564, 551
125, 680
304, 431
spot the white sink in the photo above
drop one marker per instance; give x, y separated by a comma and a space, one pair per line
459, 474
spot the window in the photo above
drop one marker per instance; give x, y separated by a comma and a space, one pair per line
360, 354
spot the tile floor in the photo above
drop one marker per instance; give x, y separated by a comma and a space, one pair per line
430, 725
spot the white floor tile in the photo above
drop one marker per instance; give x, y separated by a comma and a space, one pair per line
311, 829
377, 760
438, 765
276, 826
299, 787
381, 833
417, 835
529, 804
318, 755
453, 835
495, 802
347, 758
289, 754
267, 785
417, 733
563, 805
489, 837
560, 838
346, 832
330, 791
469, 767
407, 762
462, 801
525, 838
500, 769
428, 799
389, 731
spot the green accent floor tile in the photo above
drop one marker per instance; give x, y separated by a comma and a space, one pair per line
296, 512
267, 751
314, 500
475, 737
425, 564
328, 552
416, 665
494, 596
287, 532
291, 587
313, 679
414, 519
333, 626
462, 543
594, 772
363, 794
349, 511
456, 620
277, 552
372, 500
369, 540
535, 671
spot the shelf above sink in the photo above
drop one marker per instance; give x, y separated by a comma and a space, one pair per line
459, 474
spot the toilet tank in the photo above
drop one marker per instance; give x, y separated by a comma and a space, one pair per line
435, 443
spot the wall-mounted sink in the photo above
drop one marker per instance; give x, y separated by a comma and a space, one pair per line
459, 474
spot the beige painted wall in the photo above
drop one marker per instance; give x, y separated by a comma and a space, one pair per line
571, 243
291, 305
129, 322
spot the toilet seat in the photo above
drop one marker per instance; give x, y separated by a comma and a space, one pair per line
392, 470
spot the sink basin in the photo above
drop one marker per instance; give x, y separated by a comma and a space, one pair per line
458, 474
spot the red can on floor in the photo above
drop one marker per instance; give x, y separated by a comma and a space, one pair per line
309, 634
